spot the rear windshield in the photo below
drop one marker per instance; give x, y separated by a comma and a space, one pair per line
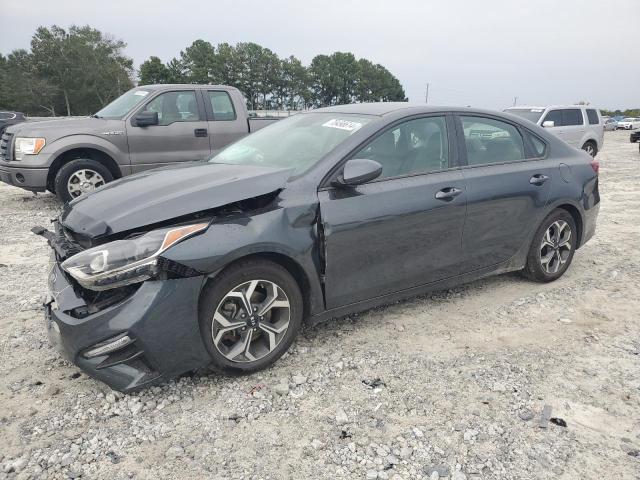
531, 114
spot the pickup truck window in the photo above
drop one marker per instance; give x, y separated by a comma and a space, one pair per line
122, 105
297, 142
175, 107
221, 105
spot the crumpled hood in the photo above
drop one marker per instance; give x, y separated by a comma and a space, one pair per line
162, 194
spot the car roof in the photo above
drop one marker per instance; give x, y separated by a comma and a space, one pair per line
189, 86
540, 107
385, 108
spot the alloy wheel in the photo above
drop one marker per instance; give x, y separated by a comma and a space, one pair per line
83, 181
555, 249
250, 321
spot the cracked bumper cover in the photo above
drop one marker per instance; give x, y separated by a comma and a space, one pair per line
161, 317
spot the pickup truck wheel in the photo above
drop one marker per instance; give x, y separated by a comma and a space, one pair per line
249, 316
590, 148
80, 176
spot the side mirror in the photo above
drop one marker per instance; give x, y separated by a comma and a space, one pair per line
358, 171
548, 123
145, 119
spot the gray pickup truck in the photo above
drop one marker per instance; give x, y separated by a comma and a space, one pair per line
146, 127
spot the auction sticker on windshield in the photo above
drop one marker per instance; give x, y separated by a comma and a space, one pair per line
342, 124
141, 93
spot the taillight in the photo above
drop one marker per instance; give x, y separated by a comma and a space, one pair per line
595, 164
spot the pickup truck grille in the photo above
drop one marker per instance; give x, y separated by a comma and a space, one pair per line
6, 153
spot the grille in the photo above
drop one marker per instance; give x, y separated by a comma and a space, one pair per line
6, 154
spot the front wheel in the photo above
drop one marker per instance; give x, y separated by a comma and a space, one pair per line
249, 315
80, 176
552, 248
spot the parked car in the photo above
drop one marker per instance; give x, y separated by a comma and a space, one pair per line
322, 214
629, 123
610, 124
635, 138
579, 126
10, 118
147, 127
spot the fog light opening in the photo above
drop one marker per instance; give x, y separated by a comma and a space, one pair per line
20, 177
108, 346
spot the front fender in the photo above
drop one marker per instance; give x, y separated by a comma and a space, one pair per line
280, 231
119, 153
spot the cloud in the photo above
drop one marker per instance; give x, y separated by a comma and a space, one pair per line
471, 53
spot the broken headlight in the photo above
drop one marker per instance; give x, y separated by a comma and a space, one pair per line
124, 262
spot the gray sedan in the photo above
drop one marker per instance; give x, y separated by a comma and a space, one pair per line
326, 213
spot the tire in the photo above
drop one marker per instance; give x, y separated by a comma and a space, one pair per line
540, 271
95, 173
220, 296
590, 147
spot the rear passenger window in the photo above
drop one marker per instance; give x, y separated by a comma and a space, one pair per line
572, 116
592, 115
539, 147
491, 141
221, 105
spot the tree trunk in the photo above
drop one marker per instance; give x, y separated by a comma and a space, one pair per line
66, 100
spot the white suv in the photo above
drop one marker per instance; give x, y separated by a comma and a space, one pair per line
578, 125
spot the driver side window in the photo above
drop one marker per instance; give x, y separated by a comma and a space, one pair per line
174, 107
413, 147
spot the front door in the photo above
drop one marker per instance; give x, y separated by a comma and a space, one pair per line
180, 136
507, 182
403, 229
568, 125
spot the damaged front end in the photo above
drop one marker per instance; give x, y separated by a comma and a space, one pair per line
103, 315
122, 310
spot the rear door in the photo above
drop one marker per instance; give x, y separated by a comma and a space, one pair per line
180, 136
507, 181
225, 125
404, 228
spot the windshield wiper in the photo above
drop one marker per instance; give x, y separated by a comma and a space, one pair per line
95, 115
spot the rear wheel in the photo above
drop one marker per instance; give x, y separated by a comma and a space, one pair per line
249, 316
591, 148
552, 248
80, 176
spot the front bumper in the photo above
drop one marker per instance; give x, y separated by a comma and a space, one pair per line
33, 179
161, 317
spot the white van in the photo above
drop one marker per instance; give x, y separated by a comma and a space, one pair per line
578, 125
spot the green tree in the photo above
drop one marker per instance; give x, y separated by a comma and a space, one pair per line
88, 68
154, 71
200, 63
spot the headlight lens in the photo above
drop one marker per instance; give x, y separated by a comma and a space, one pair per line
124, 262
28, 146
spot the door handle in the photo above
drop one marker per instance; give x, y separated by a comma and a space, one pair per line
538, 179
200, 132
448, 193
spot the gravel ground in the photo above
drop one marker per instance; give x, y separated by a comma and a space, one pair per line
497, 379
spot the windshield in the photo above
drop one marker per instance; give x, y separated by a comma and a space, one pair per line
123, 104
297, 142
531, 114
